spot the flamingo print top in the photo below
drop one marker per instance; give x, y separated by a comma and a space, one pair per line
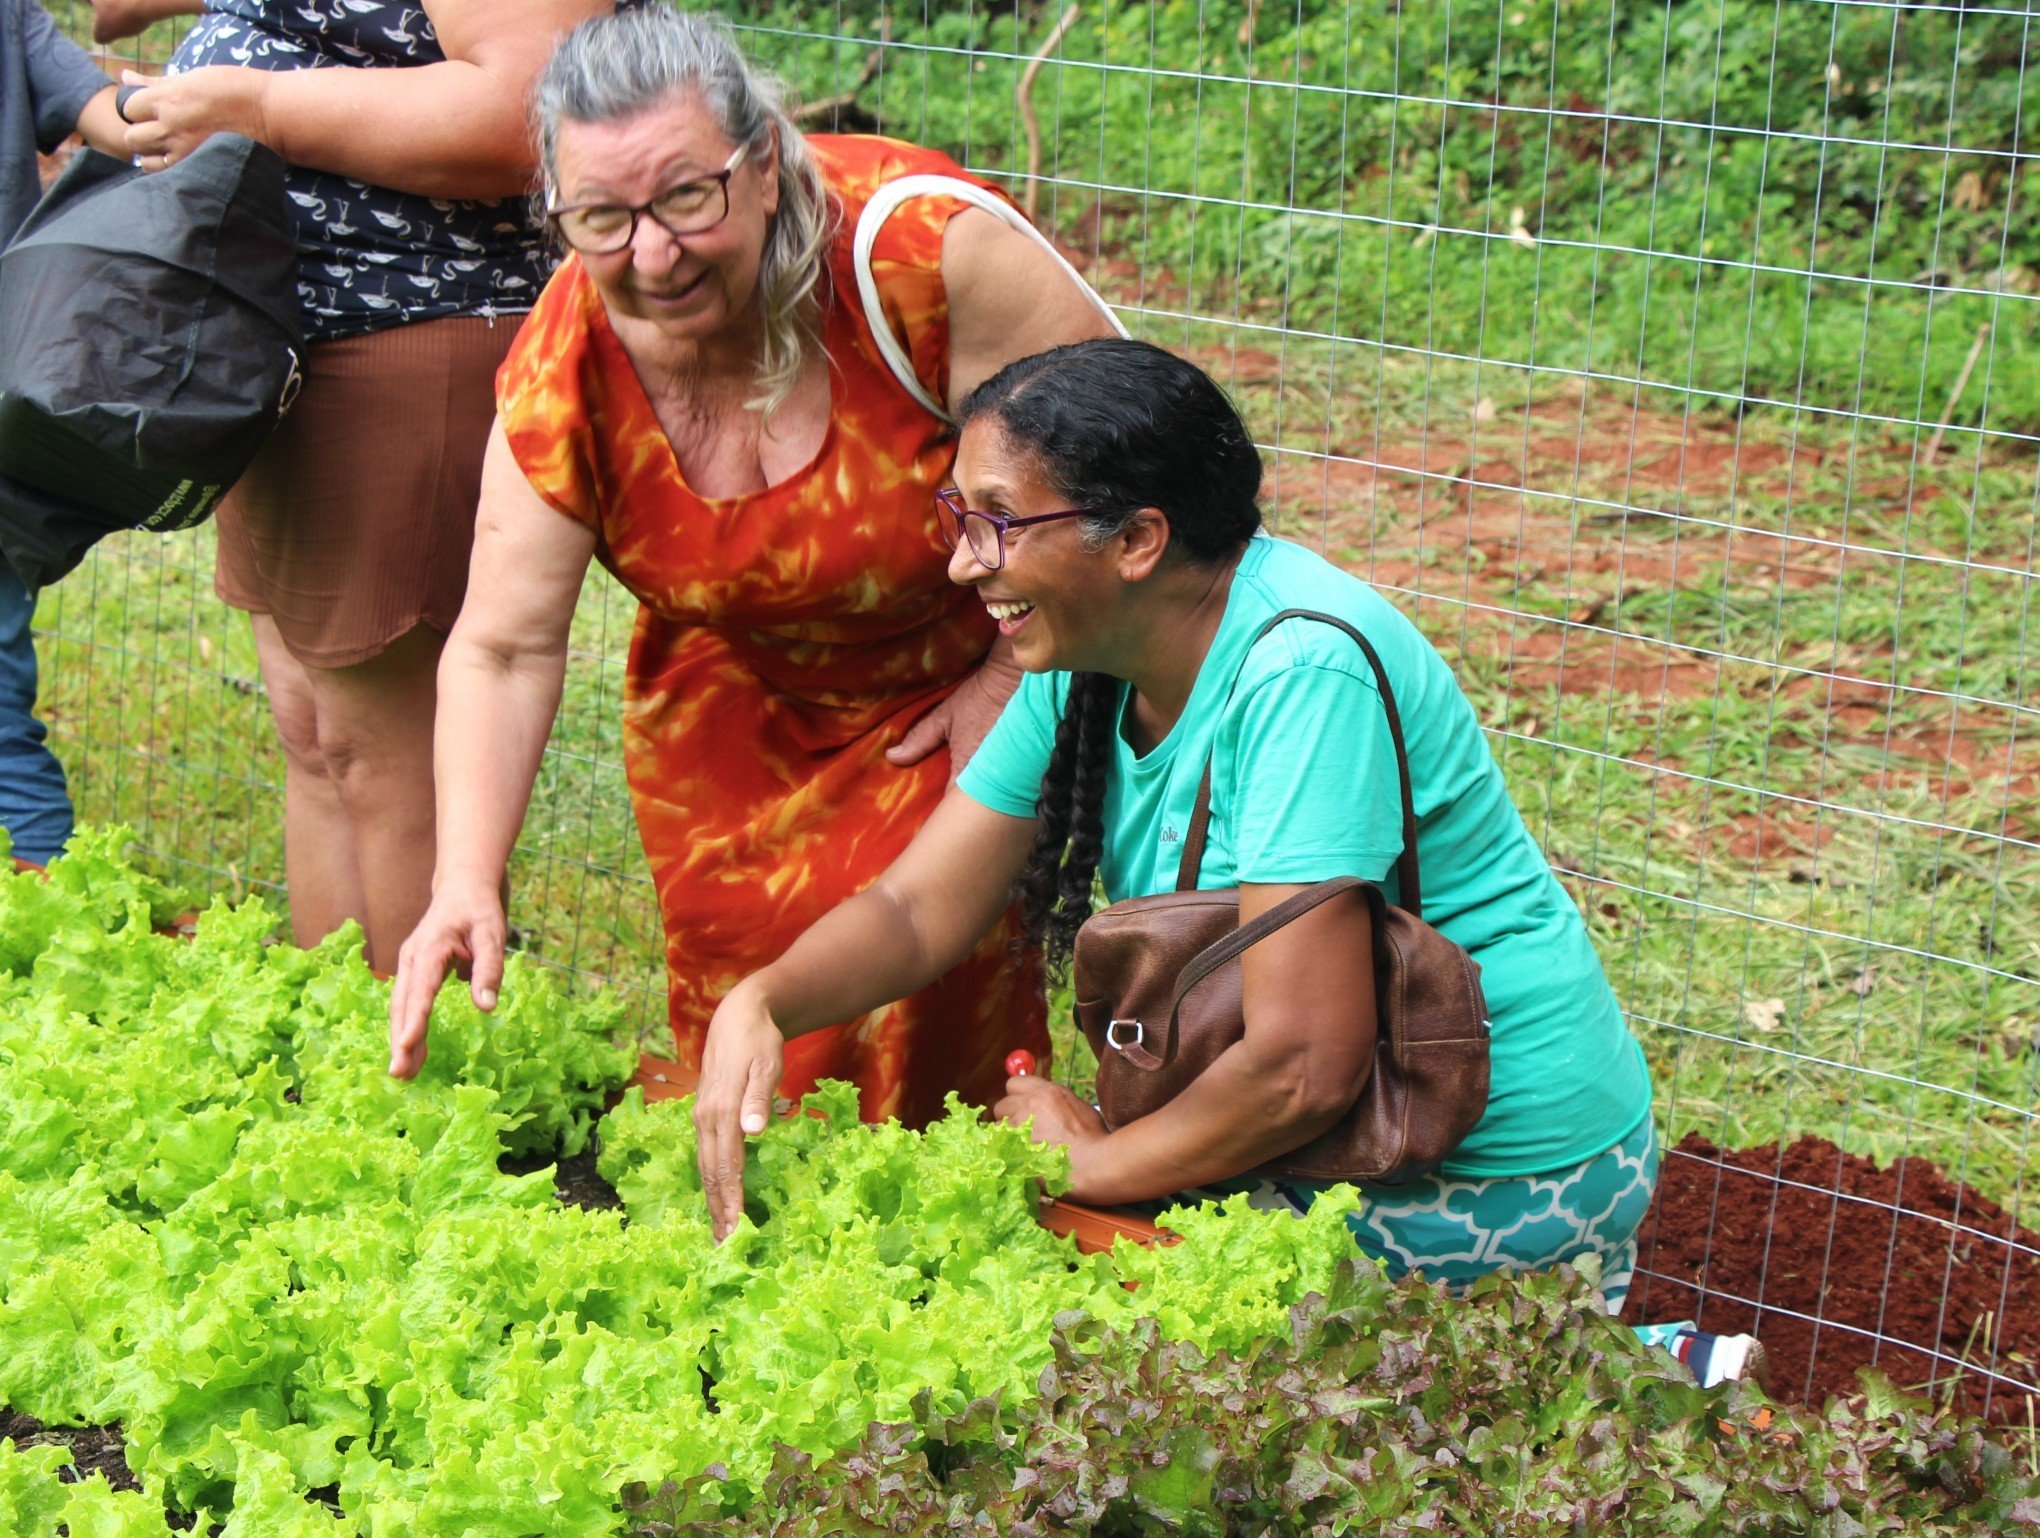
370, 257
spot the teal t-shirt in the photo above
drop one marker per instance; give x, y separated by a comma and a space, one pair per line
1303, 788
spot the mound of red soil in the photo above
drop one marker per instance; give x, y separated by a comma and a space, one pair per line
1835, 1264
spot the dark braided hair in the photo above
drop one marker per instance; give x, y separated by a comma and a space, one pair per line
1114, 426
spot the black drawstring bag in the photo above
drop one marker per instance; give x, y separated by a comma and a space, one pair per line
149, 342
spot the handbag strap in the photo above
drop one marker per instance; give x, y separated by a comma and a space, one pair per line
865, 238
1409, 890
1231, 946
1248, 935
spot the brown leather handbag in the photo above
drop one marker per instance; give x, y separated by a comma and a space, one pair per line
1157, 983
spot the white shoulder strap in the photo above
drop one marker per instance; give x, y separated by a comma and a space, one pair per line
872, 220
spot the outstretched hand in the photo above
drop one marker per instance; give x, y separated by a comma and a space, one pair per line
463, 931
742, 1061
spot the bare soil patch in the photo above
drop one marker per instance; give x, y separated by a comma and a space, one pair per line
1577, 537
94, 1449
1769, 835
578, 1185
575, 1181
1836, 1264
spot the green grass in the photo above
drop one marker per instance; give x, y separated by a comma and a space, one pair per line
1689, 195
1816, 899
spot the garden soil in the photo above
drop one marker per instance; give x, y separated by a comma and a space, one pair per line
94, 1449
1819, 1235
575, 1181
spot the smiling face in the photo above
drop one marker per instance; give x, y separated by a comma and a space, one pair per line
690, 287
1061, 605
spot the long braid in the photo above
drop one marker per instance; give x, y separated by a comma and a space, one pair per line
1054, 888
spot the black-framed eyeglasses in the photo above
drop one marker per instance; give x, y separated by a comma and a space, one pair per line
985, 533
685, 208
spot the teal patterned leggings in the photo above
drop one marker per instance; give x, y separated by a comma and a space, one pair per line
1457, 1230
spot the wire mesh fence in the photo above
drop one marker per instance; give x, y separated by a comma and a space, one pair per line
1673, 366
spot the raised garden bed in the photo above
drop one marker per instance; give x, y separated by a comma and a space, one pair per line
298, 1299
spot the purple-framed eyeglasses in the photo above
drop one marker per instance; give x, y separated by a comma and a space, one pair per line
985, 533
686, 208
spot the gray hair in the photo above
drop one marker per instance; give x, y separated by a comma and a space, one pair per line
613, 67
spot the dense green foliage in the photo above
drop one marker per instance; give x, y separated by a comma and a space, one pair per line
1794, 203
224, 1227
318, 1308
1388, 1410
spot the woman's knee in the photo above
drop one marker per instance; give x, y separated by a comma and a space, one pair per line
379, 767
297, 729
376, 743
291, 703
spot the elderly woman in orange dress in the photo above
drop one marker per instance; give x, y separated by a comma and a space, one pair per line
701, 402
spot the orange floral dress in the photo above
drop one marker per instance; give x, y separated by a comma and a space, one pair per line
784, 641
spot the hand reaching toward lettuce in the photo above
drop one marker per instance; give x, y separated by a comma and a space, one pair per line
463, 931
742, 1062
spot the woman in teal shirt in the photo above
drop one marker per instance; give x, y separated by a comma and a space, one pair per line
1106, 512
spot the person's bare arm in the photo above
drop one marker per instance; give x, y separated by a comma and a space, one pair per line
113, 20
500, 678
916, 921
100, 126
1308, 1048
456, 129
1008, 299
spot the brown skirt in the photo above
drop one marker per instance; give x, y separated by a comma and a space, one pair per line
354, 524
